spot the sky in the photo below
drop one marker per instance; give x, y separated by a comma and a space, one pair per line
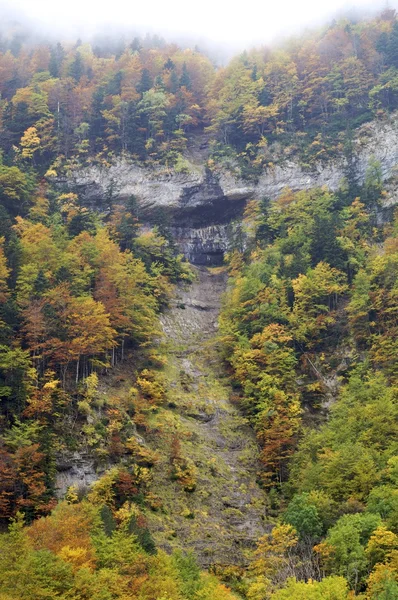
242, 23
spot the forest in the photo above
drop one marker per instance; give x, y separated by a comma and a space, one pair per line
308, 331
64, 105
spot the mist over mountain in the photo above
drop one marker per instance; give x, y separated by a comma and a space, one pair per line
217, 29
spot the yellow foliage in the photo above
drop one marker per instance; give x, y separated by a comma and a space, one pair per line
271, 559
4, 273
30, 143
124, 513
66, 530
102, 491
80, 558
381, 544
71, 495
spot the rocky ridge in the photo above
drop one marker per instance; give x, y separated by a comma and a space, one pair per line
201, 204
219, 193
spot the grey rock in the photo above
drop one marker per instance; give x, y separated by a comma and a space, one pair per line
205, 207
201, 416
219, 195
76, 469
206, 245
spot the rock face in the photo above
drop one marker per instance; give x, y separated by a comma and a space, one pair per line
202, 199
201, 188
206, 245
75, 469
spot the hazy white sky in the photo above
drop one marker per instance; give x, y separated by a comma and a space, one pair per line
241, 22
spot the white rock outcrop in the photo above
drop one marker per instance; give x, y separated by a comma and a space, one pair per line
181, 192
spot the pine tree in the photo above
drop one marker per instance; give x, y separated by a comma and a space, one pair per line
56, 59
41, 283
392, 49
185, 79
169, 65
145, 83
114, 87
97, 121
136, 45
174, 83
76, 69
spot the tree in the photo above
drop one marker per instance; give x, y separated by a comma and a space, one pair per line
392, 47
56, 60
145, 83
66, 529
76, 68
344, 550
330, 588
30, 143
354, 236
382, 545
4, 273
316, 295
373, 184
304, 517
383, 500
97, 121
16, 378
88, 329
347, 456
273, 560
23, 485
14, 189
185, 80
360, 307
382, 583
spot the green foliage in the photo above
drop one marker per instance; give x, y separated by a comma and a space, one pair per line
315, 283
189, 573
304, 517
346, 542
330, 588
76, 296
142, 535
373, 184
283, 299
144, 102
315, 297
383, 500
309, 320
347, 456
14, 189
16, 376
69, 556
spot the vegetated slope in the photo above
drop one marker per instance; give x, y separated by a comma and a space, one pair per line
65, 105
199, 452
313, 301
206, 476
83, 552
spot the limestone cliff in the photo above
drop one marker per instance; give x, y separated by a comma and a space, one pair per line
185, 192
203, 199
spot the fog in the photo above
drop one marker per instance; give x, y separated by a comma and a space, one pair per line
218, 23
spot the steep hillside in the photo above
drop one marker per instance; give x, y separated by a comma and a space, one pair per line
198, 319
206, 468
225, 513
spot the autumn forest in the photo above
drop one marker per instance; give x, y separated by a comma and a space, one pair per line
305, 349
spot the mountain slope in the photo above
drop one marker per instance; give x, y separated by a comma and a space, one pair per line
225, 514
